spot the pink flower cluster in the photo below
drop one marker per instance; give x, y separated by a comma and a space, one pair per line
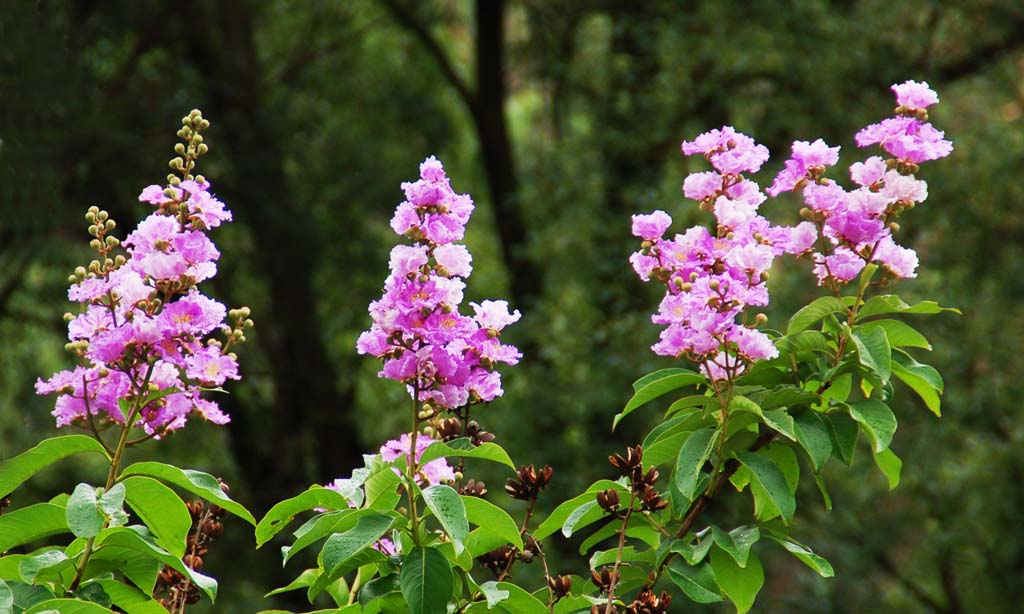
444, 357
142, 328
713, 279
854, 226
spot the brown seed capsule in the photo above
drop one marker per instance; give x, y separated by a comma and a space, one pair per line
473, 488
213, 528
195, 509
497, 560
528, 483
5, 503
193, 562
625, 465
608, 500
605, 577
560, 585
449, 429
649, 603
652, 501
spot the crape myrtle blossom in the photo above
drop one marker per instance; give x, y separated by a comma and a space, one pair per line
143, 330
444, 357
855, 226
712, 280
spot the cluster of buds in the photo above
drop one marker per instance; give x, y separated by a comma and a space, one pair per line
649, 603
177, 590
528, 482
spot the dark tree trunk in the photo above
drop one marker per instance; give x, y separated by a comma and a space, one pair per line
308, 433
488, 111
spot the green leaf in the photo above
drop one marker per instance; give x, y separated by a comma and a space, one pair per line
492, 519
809, 558
31, 523
693, 553
203, 485
890, 303
340, 548
139, 567
446, 505
31, 566
83, 512
781, 422
698, 582
426, 580
282, 514
812, 435
803, 341
519, 601
922, 379
736, 542
694, 401
890, 465
843, 430
6, 598
740, 584
899, 334
321, 526
877, 420
26, 596
584, 515
16, 470
129, 598
692, 456
138, 539
557, 518
68, 606
874, 351
305, 580
378, 587
656, 384
788, 396
815, 311
768, 475
112, 506
493, 593
162, 510
486, 451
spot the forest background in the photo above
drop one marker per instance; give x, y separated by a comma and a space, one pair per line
562, 118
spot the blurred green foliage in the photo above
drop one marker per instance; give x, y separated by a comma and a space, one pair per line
320, 109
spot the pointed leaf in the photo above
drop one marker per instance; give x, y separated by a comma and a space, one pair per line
809, 558
899, 334
31, 523
890, 465
83, 512
341, 548
201, 484
426, 580
812, 435
162, 510
768, 475
697, 582
874, 351
815, 311
282, 514
740, 584
486, 451
692, 456
16, 470
492, 519
890, 303
68, 606
843, 430
922, 379
877, 420
656, 384
447, 507
129, 598
736, 542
